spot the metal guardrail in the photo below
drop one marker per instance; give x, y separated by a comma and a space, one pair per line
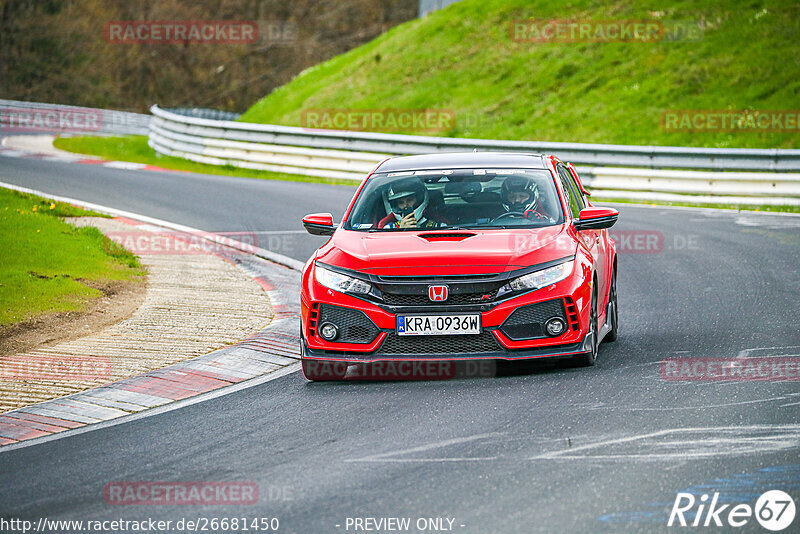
652, 157
32, 117
605, 168
205, 113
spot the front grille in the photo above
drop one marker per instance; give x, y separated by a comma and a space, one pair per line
354, 325
395, 299
455, 344
527, 322
439, 278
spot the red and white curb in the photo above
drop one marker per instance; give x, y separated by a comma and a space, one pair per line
264, 356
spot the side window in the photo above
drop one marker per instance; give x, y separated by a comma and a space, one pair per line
578, 194
569, 191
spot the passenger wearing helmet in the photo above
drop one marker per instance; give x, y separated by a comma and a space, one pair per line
520, 195
407, 202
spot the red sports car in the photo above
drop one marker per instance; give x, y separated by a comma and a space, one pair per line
460, 256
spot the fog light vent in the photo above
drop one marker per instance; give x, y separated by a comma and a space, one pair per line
532, 321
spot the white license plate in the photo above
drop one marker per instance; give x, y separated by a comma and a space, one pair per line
430, 325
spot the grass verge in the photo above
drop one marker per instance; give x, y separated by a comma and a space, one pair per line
50, 266
134, 148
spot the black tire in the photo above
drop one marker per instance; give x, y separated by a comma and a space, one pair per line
586, 360
613, 309
323, 370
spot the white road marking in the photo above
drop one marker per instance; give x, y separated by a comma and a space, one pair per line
126, 165
385, 457
675, 444
793, 350
700, 407
63, 159
712, 442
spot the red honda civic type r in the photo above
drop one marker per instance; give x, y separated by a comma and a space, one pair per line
460, 256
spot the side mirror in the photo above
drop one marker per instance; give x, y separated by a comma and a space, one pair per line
319, 224
596, 218
574, 174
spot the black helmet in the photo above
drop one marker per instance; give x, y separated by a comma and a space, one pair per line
519, 184
403, 188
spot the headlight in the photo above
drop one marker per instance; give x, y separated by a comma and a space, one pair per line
340, 282
542, 278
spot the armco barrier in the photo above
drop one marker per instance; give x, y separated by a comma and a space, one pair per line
31, 117
620, 171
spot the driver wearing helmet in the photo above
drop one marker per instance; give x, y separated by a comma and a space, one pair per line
407, 202
520, 195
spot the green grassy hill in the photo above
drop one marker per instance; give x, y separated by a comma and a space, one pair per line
463, 58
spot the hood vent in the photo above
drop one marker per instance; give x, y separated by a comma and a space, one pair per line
452, 236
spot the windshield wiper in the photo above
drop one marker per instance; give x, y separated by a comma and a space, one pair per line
475, 226
459, 227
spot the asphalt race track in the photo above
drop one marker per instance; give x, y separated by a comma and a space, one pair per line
536, 449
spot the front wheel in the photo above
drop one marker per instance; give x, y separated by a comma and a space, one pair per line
613, 309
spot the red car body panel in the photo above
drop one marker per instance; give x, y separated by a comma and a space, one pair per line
484, 251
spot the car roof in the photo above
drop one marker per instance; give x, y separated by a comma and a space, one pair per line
463, 160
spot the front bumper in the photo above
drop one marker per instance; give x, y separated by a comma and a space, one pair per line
379, 342
501, 353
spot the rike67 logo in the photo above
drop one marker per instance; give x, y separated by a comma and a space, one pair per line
774, 510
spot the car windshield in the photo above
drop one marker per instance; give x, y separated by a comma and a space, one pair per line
456, 198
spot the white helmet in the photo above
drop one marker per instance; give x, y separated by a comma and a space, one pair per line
403, 188
519, 184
